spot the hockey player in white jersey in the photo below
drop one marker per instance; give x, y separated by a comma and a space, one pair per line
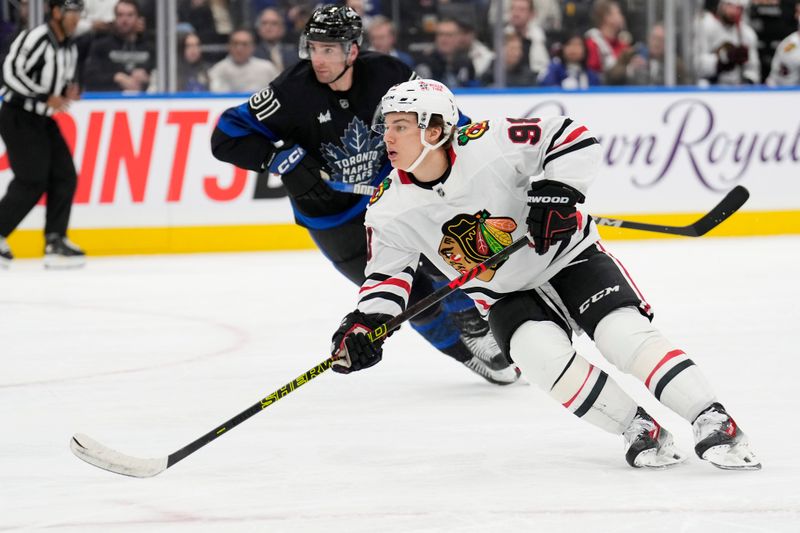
458, 197
727, 47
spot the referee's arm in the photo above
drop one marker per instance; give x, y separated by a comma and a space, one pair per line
26, 52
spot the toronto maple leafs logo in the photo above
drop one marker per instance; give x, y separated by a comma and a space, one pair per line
359, 157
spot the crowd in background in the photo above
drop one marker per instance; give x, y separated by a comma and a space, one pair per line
241, 45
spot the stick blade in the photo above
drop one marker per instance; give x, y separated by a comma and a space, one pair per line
101, 456
735, 199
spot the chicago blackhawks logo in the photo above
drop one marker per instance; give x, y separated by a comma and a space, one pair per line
471, 132
471, 239
359, 157
379, 191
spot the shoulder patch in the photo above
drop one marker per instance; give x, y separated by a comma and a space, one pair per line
385, 184
473, 131
789, 47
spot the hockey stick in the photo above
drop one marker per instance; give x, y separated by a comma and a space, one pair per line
732, 201
106, 458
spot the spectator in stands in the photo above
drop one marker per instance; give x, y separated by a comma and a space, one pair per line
549, 14
97, 17
298, 14
448, 62
646, 67
522, 20
211, 19
20, 24
785, 68
382, 37
271, 29
607, 41
480, 54
120, 60
727, 48
568, 69
192, 69
240, 72
359, 7
518, 72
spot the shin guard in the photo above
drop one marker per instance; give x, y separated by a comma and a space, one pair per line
633, 345
545, 354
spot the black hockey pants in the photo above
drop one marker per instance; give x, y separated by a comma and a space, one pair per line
41, 163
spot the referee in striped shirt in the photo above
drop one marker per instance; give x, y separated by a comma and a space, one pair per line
39, 80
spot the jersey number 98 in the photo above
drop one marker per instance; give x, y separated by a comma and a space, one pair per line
524, 130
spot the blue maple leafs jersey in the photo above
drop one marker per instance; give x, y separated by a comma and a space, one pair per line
332, 126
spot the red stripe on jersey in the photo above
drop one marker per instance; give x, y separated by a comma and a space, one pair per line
670, 355
404, 179
483, 304
406, 286
627, 277
571, 137
569, 402
452, 155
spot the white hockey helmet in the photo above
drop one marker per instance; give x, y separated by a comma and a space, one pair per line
425, 98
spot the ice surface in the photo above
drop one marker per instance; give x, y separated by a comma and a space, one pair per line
146, 354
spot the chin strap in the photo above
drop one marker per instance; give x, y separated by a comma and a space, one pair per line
426, 149
346, 66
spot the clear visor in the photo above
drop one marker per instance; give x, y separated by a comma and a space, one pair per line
378, 122
304, 52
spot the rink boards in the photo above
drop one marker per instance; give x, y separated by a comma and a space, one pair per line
149, 184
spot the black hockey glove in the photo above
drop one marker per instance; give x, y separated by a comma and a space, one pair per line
351, 345
302, 175
730, 55
286, 159
552, 217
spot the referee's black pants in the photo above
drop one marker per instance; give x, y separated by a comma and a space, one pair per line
41, 163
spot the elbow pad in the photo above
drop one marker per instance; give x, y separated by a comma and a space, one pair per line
250, 151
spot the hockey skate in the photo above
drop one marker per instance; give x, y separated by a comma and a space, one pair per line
649, 445
5, 254
487, 360
721, 442
61, 253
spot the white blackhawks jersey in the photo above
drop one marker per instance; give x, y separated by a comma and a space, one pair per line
785, 69
712, 35
476, 210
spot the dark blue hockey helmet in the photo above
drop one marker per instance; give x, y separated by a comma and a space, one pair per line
332, 24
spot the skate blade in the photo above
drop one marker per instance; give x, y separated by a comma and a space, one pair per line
738, 457
64, 263
659, 459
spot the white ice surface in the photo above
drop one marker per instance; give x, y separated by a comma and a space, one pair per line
146, 354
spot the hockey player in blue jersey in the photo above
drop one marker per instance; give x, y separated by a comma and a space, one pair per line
312, 126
